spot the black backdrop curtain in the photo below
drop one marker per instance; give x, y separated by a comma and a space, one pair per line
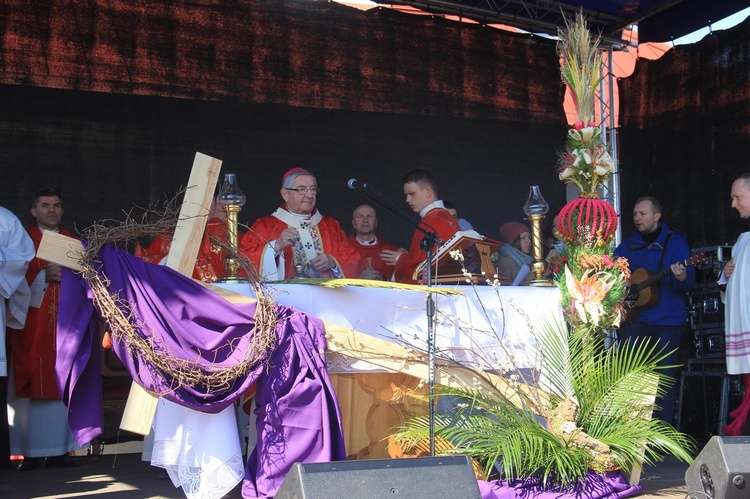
109, 101
685, 134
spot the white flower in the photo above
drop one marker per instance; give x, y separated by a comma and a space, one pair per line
568, 172
582, 157
604, 164
583, 135
588, 133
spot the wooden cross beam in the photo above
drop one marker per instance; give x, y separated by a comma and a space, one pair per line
183, 252
140, 407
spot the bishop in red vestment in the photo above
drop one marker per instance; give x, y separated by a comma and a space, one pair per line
298, 235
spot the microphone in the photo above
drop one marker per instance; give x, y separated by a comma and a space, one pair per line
356, 185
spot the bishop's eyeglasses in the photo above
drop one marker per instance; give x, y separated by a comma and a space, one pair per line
305, 190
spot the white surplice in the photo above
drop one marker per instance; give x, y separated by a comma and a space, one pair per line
737, 311
16, 251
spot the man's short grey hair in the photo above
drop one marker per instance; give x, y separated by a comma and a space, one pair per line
746, 178
364, 204
289, 181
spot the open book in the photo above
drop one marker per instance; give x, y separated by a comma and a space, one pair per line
476, 250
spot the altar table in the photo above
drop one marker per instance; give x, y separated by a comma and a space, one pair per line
482, 328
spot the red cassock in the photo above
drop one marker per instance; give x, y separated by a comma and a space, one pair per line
438, 220
369, 254
209, 266
329, 236
35, 346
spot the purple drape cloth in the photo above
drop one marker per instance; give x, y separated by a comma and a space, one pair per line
298, 414
612, 485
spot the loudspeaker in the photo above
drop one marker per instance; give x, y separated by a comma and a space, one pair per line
721, 470
419, 477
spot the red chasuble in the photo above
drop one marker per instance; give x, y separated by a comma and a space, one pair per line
437, 220
329, 236
35, 346
369, 254
209, 265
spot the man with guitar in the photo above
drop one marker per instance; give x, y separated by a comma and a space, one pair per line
658, 249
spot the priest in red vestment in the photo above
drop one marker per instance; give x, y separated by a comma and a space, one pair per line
39, 428
209, 266
370, 245
297, 235
422, 197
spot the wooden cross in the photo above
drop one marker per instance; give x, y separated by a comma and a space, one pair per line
141, 405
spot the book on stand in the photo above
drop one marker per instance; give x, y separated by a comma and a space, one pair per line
476, 249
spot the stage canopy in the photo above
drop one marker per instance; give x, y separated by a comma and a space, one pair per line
657, 20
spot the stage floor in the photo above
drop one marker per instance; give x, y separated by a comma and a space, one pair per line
125, 476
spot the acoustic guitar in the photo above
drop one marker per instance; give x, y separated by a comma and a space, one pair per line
643, 291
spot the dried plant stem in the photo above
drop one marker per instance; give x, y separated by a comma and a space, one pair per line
125, 326
580, 66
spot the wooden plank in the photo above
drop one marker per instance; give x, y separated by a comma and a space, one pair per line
141, 405
65, 251
193, 214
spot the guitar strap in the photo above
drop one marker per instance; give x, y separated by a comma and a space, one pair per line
663, 253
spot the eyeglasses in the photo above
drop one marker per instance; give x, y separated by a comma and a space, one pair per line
305, 190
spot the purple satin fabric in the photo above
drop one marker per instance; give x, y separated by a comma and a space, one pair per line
612, 485
298, 414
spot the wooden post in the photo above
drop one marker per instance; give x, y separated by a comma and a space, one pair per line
141, 405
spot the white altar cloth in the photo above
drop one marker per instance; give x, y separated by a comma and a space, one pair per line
479, 328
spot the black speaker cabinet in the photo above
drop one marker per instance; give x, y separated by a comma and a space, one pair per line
420, 477
721, 470
703, 404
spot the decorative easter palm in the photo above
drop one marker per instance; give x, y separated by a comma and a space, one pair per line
586, 161
592, 282
598, 417
600, 400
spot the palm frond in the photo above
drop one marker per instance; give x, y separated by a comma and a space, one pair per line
614, 389
627, 437
618, 380
556, 374
492, 431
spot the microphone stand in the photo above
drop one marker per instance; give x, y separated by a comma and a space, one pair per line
429, 240
427, 244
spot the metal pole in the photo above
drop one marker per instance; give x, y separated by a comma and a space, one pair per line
431, 347
613, 146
